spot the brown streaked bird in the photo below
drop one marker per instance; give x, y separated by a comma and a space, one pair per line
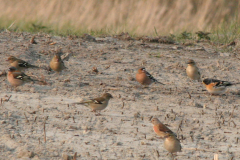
56, 63
97, 104
215, 86
160, 129
145, 78
19, 64
172, 143
17, 78
193, 71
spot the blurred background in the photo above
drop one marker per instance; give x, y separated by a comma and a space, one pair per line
138, 17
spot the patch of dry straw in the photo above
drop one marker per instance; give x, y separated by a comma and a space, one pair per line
121, 15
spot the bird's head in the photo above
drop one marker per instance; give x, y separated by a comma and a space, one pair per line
11, 59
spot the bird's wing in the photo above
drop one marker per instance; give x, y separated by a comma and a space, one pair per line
219, 83
151, 77
164, 128
22, 63
98, 100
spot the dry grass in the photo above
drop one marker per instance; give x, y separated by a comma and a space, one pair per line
104, 16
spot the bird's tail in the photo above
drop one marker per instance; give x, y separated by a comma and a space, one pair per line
32, 66
42, 80
83, 102
27, 78
160, 83
234, 83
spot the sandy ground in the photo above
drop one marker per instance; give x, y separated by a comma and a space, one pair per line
206, 125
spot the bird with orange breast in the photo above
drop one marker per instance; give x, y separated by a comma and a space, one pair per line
215, 86
171, 142
57, 63
159, 128
18, 78
19, 64
145, 78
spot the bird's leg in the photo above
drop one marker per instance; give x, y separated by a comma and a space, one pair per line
16, 89
172, 156
145, 87
97, 114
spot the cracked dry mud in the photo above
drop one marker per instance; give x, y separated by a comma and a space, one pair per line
206, 125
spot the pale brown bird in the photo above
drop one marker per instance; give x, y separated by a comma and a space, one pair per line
193, 71
145, 78
19, 64
56, 63
160, 129
17, 78
97, 104
172, 144
215, 86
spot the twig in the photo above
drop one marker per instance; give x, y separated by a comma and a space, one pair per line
11, 25
32, 41
9, 98
44, 130
115, 89
189, 95
123, 104
35, 119
180, 125
155, 31
204, 150
73, 119
26, 118
234, 123
75, 156
231, 115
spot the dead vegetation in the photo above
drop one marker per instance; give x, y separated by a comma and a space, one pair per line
140, 17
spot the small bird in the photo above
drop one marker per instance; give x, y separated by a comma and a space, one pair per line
17, 78
97, 104
172, 144
192, 70
145, 78
160, 129
215, 86
19, 64
56, 63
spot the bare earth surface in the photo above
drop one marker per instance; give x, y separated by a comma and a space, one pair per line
206, 125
